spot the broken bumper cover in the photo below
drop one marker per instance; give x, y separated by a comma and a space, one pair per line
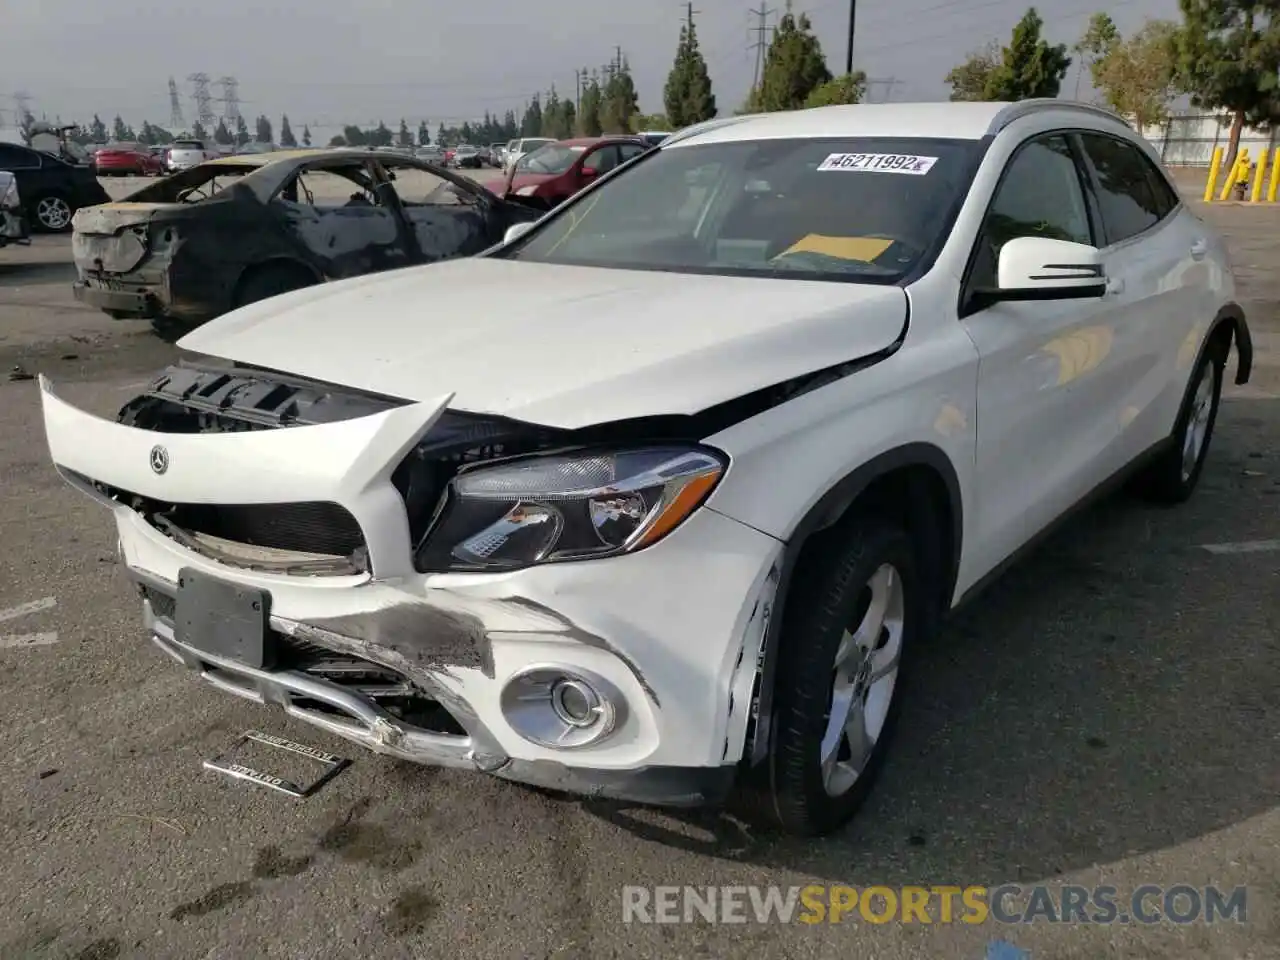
674, 650
134, 301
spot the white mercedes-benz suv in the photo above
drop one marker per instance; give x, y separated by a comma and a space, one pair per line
733, 429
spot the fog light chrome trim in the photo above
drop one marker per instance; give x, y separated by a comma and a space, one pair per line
534, 704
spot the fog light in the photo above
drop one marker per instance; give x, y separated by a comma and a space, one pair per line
575, 703
562, 707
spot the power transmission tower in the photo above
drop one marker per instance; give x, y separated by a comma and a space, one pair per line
204, 100
230, 97
175, 107
760, 29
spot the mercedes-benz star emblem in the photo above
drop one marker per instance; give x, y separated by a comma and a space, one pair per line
159, 459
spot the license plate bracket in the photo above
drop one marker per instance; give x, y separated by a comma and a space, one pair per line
226, 764
224, 619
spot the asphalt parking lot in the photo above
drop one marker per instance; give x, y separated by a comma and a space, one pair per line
1109, 713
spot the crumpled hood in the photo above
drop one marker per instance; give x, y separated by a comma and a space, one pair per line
558, 345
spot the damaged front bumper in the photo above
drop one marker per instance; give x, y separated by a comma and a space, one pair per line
449, 669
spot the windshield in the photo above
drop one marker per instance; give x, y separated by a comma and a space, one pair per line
192, 186
552, 158
867, 210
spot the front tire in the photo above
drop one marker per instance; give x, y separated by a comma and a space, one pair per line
1172, 477
858, 611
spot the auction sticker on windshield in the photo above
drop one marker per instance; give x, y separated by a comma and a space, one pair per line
879, 163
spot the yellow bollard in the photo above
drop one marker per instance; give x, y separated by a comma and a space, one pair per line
1259, 177
1274, 187
1241, 165
1215, 167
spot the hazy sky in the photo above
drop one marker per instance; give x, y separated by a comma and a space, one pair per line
325, 62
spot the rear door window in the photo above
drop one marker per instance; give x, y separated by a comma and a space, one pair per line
1127, 197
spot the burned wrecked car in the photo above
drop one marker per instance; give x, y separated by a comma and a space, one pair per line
236, 230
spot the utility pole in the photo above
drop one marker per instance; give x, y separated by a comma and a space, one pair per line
853, 19
760, 29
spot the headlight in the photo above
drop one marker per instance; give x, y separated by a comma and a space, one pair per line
526, 191
568, 507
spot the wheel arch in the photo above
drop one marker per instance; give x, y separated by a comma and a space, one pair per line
919, 483
278, 262
1229, 326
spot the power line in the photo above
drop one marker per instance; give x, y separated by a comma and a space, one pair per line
175, 106
853, 19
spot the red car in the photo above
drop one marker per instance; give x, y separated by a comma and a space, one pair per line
127, 160
557, 171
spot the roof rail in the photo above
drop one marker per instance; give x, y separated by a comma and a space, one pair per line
714, 124
1025, 108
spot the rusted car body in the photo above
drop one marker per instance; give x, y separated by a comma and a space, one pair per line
239, 229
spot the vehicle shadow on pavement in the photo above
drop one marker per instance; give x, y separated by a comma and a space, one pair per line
37, 272
1109, 696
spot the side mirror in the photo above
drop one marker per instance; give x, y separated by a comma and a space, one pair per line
1037, 268
516, 231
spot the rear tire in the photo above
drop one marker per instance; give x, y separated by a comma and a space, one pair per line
271, 281
1172, 477
856, 615
51, 213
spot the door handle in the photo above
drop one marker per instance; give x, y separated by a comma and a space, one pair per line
1198, 250
1115, 286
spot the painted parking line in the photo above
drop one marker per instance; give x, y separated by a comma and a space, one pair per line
26, 609
17, 640
1245, 546
27, 640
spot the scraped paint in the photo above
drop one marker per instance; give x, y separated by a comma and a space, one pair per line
1003, 950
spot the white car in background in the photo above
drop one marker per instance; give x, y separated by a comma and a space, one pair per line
868, 354
185, 154
518, 148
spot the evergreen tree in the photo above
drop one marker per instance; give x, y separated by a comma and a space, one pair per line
589, 115
98, 130
287, 139
441, 141
380, 136
221, 135
198, 131
403, 137
1228, 58
306, 135
619, 102
242, 132
263, 132
794, 67
531, 126
424, 134
119, 132
687, 95
1030, 67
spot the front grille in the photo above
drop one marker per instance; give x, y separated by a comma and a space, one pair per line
311, 529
